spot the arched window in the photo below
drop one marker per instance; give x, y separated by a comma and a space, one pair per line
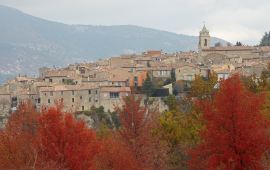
205, 42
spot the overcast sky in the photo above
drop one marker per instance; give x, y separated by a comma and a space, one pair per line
232, 20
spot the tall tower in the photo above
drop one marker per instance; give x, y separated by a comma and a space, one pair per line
204, 39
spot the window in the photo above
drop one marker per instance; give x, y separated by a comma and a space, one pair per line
81, 97
205, 42
190, 77
73, 100
82, 108
50, 80
62, 92
62, 100
72, 92
51, 93
114, 95
38, 100
90, 99
89, 91
96, 92
49, 101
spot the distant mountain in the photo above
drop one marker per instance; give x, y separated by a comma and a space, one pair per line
27, 42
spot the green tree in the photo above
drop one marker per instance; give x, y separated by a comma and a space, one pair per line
238, 43
148, 86
265, 41
173, 77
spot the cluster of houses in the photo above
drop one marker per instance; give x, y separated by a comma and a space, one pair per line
105, 82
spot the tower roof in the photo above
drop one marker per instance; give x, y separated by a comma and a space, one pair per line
204, 30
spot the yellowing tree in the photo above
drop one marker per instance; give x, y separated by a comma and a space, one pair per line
204, 88
180, 130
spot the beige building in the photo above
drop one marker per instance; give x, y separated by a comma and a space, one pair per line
111, 97
161, 72
62, 76
73, 97
187, 72
82, 97
233, 54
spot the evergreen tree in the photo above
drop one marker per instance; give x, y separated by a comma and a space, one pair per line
173, 78
238, 43
265, 41
148, 86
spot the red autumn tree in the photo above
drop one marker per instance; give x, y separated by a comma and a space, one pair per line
115, 155
18, 139
137, 121
66, 141
235, 136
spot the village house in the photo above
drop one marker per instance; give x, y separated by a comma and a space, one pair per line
73, 97
187, 72
251, 69
62, 76
161, 72
82, 97
120, 61
223, 71
111, 97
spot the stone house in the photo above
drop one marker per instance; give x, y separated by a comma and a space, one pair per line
120, 61
111, 97
73, 97
187, 72
61, 76
161, 72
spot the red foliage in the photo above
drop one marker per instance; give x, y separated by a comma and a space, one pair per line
66, 141
235, 136
137, 122
115, 155
133, 118
17, 140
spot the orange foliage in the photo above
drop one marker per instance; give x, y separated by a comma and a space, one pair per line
115, 155
235, 136
17, 140
67, 141
137, 122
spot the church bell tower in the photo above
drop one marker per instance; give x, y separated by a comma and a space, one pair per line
204, 39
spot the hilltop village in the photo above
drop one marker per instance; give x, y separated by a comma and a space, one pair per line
105, 82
